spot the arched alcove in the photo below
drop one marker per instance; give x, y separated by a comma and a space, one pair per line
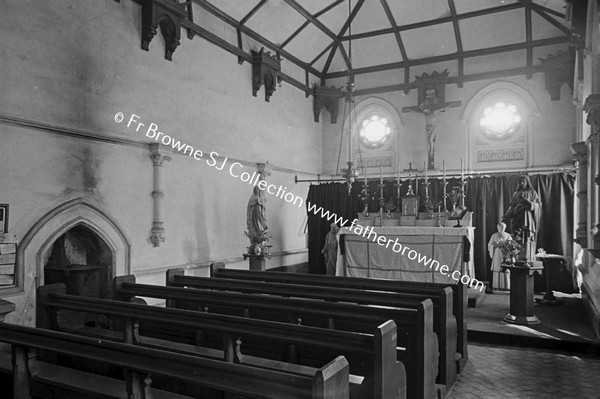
35, 248
510, 153
82, 261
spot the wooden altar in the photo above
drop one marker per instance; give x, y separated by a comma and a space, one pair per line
360, 256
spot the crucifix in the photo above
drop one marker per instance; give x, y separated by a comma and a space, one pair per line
432, 99
410, 170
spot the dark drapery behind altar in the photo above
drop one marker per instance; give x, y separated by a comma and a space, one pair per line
486, 196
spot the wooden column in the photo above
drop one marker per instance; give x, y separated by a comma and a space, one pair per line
157, 235
592, 108
580, 156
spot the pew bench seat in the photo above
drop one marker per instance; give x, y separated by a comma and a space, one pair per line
46, 376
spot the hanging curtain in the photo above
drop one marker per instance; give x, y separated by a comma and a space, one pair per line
487, 197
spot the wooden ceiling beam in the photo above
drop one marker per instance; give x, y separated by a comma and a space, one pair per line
390, 16
459, 47
438, 21
260, 39
454, 79
542, 13
322, 53
302, 11
225, 45
550, 11
343, 30
528, 36
306, 23
453, 56
253, 11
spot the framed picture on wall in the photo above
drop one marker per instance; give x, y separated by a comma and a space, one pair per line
3, 218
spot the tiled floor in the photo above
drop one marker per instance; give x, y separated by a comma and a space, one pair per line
503, 372
507, 373
567, 321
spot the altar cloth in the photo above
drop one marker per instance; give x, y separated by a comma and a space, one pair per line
434, 246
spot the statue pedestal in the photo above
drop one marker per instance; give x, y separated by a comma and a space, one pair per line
257, 262
521, 292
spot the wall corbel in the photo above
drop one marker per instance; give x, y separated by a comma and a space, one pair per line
558, 70
266, 70
168, 15
327, 97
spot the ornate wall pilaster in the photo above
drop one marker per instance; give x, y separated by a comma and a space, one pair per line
592, 108
157, 235
580, 156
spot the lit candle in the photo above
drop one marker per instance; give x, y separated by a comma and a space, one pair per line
425, 167
462, 174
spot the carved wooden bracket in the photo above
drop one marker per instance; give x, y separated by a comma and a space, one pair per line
266, 70
558, 69
432, 87
168, 15
327, 97
157, 235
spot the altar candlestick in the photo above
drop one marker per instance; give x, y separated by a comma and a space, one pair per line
381, 195
444, 169
444, 184
381, 183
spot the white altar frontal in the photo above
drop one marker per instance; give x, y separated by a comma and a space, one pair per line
361, 254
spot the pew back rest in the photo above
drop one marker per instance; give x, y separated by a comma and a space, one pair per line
367, 349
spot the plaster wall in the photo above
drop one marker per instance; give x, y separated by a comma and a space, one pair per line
72, 66
552, 129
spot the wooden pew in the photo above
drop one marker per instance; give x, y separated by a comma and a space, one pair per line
419, 343
329, 382
385, 377
444, 321
459, 294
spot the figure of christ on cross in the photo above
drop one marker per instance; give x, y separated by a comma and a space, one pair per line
428, 108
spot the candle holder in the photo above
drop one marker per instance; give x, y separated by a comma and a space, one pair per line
463, 183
